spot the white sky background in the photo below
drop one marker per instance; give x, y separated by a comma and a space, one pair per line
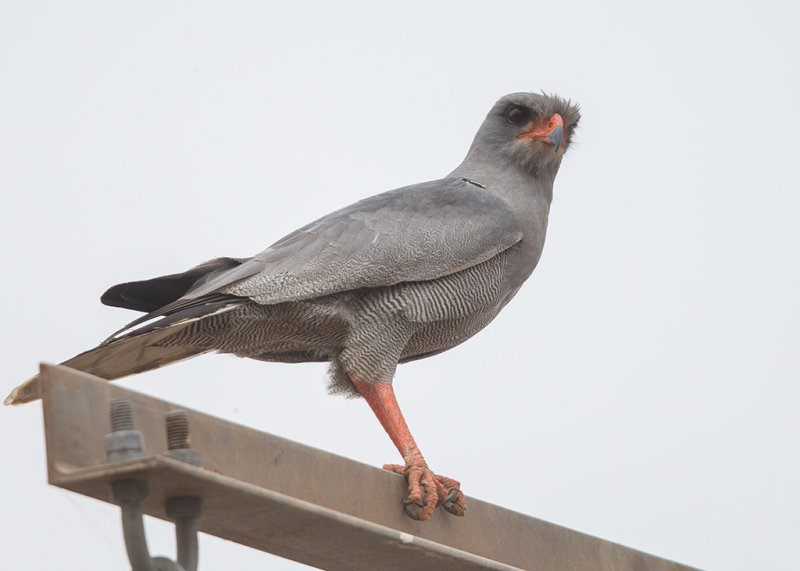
642, 387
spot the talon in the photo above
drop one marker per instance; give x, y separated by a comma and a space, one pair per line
453, 500
420, 503
418, 509
452, 506
413, 509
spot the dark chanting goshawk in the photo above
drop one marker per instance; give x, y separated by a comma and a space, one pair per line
395, 277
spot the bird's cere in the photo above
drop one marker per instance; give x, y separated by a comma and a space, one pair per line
549, 131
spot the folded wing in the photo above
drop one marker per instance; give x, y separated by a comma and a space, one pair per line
414, 233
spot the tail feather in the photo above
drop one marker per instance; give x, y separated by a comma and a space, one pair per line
139, 352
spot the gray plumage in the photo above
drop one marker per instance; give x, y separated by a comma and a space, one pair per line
392, 278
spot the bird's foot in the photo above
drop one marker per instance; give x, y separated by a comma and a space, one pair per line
420, 504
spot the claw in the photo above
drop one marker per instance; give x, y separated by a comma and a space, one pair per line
453, 500
413, 509
416, 509
451, 505
419, 504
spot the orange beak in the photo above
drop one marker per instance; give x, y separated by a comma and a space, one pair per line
548, 131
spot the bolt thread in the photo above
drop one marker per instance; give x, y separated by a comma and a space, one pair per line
121, 415
177, 430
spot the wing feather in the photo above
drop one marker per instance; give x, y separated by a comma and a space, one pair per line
415, 233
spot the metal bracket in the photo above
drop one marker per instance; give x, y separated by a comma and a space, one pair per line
125, 443
285, 498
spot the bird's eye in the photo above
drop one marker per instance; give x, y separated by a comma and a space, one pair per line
518, 115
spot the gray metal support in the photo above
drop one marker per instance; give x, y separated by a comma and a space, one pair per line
295, 501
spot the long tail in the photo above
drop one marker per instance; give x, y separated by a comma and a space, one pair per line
129, 350
117, 359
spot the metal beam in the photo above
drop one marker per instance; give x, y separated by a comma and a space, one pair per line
298, 502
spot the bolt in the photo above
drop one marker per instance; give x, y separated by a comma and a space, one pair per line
178, 447
123, 442
177, 430
121, 415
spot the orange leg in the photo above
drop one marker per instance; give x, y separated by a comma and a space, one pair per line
418, 504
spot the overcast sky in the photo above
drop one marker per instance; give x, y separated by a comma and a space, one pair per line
642, 386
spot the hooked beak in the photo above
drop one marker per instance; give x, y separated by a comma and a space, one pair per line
549, 131
556, 135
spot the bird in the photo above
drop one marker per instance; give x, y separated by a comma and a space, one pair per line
395, 277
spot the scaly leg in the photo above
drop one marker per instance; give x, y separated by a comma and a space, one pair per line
419, 504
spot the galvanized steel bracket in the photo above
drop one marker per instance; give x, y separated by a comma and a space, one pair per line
292, 500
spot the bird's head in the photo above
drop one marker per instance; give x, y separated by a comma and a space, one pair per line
531, 130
